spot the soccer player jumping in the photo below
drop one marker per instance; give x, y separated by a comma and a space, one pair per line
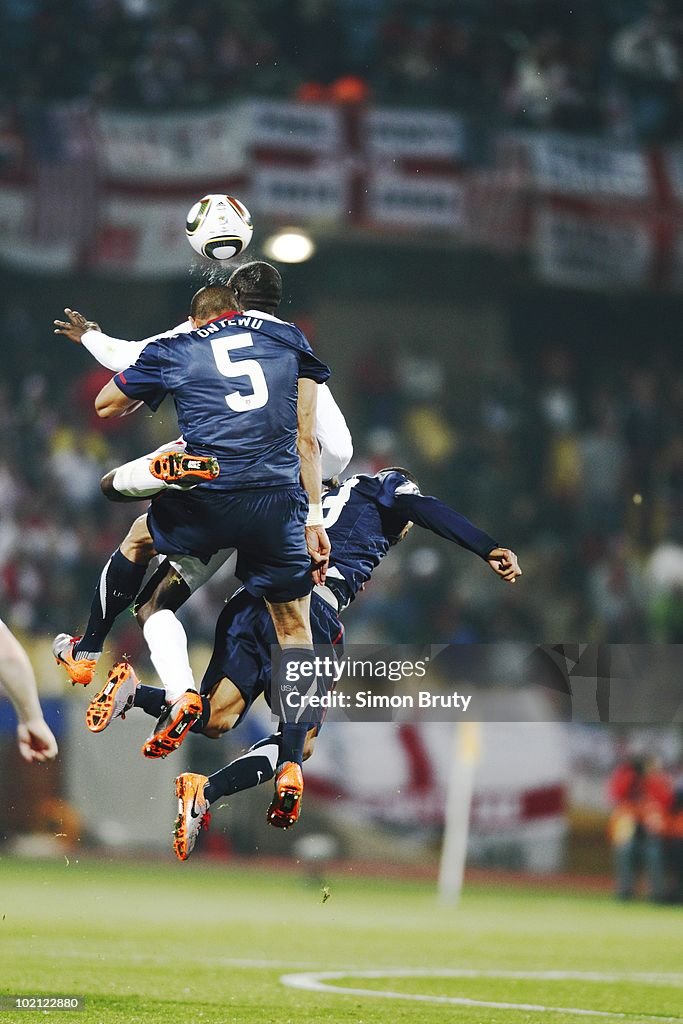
365, 517
256, 416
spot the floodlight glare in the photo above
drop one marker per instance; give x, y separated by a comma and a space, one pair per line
290, 245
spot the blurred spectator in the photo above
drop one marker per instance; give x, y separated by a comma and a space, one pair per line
675, 839
546, 91
643, 797
602, 460
643, 428
78, 464
614, 587
377, 401
664, 567
648, 63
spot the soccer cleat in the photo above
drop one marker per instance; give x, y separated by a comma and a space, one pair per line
193, 813
183, 468
173, 726
286, 803
114, 699
79, 671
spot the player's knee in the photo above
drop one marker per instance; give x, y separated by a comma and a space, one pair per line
215, 731
109, 490
220, 722
107, 487
166, 590
143, 612
137, 545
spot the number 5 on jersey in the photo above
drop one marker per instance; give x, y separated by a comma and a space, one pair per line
222, 347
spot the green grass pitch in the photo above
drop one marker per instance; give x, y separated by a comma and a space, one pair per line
171, 942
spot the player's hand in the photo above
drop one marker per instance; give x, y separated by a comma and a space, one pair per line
504, 563
76, 326
318, 545
36, 742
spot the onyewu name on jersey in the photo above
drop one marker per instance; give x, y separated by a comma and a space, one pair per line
250, 322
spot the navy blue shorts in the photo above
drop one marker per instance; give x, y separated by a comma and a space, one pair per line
244, 637
266, 525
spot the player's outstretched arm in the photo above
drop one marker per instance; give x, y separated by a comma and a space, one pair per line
434, 515
505, 564
36, 742
115, 354
311, 479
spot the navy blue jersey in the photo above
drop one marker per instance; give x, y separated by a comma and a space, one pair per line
365, 515
234, 384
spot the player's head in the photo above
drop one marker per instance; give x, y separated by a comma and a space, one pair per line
209, 302
402, 534
257, 285
380, 474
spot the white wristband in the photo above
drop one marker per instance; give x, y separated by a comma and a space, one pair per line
315, 514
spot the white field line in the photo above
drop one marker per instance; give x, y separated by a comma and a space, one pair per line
316, 981
672, 980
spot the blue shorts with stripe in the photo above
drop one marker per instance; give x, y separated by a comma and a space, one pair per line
266, 525
243, 641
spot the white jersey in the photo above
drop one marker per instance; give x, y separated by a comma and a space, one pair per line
334, 437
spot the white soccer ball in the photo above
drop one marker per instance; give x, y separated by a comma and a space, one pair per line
219, 227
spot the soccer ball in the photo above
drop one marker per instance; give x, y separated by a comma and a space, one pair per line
219, 227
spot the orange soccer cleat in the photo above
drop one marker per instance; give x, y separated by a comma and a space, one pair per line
114, 699
193, 813
183, 469
173, 726
286, 803
78, 670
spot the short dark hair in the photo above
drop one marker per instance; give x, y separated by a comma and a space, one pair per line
211, 301
257, 285
404, 472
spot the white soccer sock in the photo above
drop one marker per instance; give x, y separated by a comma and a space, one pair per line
167, 642
135, 480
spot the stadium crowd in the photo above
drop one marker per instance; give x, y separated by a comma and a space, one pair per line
611, 65
583, 477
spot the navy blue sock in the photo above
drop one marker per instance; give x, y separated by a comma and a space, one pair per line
151, 699
116, 591
293, 739
253, 768
294, 684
